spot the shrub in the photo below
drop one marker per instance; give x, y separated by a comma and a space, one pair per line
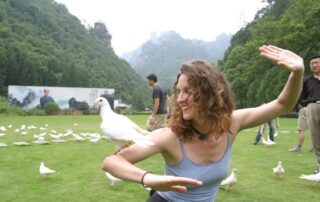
84, 107
35, 112
7, 109
51, 108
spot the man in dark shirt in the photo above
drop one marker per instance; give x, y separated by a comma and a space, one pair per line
45, 99
159, 113
310, 97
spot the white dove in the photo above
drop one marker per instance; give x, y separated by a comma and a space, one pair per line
267, 143
23, 127
56, 136
279, 170
270, 141
120, 128
314, 178
24, 133
94, 137
3, 144
31, 127
42, 128
230, 180
44, 171
77, 137
69, 132
2, 128
112, 178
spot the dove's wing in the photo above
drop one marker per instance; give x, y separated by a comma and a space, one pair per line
119, 127
128, 122
45, 170
275, 169
315, 178
281, 169
228, 180
306, 177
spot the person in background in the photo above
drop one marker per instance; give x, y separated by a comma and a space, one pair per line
196, 145
159, 113
45, 99
310, 97
272, 130
170, 104
302, 127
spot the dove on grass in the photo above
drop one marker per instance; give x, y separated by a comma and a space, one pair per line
44, 171
279, 170
267, 142
313, 178
230, 180
112, 178
3, 144
120, 128
3, 129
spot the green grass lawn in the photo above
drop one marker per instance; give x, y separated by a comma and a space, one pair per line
79, 176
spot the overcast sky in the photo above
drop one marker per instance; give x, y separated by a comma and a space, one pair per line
131, 22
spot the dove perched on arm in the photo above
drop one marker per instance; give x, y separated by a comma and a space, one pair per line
44, 171
230, 180
120, 128
279, 170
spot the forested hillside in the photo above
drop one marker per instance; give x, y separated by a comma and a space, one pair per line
291, 24
164, 54
41, 43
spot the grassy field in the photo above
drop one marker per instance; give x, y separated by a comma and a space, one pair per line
79, 176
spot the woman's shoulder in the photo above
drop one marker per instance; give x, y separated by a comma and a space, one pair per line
164, 136
163, 133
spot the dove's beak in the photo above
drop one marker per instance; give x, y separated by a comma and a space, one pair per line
95, 104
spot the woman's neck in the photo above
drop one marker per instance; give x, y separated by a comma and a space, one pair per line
200, 125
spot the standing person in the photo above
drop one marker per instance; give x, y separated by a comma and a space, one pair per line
262, 128
196, 145
46, 98
310, 96
159, 113
170, 104
302, 127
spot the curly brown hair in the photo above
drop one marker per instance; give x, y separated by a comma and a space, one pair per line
212, 97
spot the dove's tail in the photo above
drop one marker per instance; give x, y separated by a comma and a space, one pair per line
143, 142
306, 177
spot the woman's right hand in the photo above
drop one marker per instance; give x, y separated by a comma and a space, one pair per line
282, 57
169, 183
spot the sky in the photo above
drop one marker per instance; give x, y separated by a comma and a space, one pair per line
131, 22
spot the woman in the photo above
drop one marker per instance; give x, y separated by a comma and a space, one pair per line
196, 144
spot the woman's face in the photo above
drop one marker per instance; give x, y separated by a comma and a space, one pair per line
185, 98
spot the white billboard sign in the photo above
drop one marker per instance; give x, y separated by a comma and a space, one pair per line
29, 96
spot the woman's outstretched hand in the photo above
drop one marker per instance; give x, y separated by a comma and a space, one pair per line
282, 57
169, 183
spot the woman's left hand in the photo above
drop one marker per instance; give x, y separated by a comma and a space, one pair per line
169, 183
282, 57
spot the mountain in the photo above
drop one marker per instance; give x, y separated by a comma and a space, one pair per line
41, 43
164, 54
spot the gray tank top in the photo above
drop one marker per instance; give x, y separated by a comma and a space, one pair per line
210, 174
